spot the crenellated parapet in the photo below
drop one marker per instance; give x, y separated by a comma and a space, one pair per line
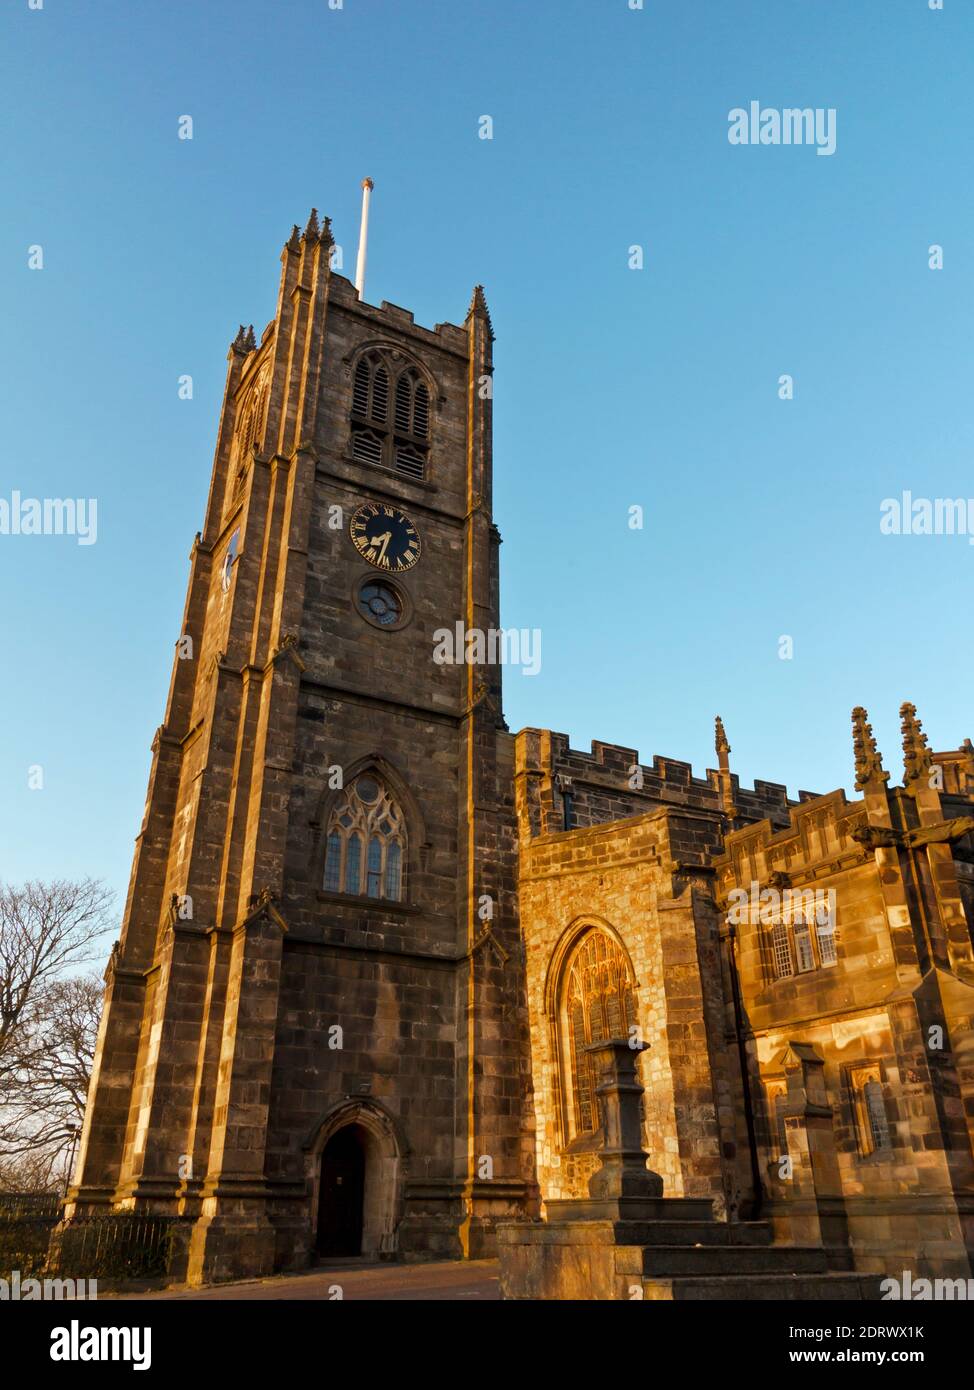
819, 840
570, 789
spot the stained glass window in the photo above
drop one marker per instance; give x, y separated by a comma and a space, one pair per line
599, 1004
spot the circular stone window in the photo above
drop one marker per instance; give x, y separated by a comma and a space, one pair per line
367, 789
380, 603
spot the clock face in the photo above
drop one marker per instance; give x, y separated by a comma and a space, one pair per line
229, 560
385, 537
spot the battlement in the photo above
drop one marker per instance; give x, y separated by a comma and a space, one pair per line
445, 336
820, 838
673, 776
612, 783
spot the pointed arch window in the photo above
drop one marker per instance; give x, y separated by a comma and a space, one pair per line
401, 444
365, 842
248, 432
598, 1003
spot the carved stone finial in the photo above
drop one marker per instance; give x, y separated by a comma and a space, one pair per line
917, 759
312, 231
478, 308
294, 240
869, 762
239, 341
113, 962
720, 738
249, 342
723, 749
326, 235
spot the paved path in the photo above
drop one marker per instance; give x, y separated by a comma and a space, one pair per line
449, 1279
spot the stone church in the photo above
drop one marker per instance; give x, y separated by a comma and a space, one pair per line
372, 936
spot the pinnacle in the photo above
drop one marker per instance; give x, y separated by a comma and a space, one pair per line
478, 308
869, 762
916, 754
312, 231
249, 342
294, 240
720, 738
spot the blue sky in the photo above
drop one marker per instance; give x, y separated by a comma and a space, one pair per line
613, 387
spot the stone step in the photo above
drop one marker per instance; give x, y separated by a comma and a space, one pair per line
695, 1233
747, 1288
675, 1261
631, 1209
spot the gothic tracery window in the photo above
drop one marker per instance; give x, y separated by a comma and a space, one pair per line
366, 841
599, 1003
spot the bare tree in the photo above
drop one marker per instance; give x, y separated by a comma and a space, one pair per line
48, 1019
45, 1092
46, 930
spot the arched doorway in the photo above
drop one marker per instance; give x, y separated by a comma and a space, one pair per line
360, 1143
341, 1193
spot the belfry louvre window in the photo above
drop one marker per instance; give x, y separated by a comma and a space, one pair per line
366, 841
367, 446
412, 406
410, 461
401, 444
370, 393
599, 1004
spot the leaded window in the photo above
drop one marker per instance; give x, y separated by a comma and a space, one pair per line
793, 946
781, 950
826, 941
876, 1114
869, 1109
803, 948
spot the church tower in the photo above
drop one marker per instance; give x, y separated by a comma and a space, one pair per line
314, 1033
